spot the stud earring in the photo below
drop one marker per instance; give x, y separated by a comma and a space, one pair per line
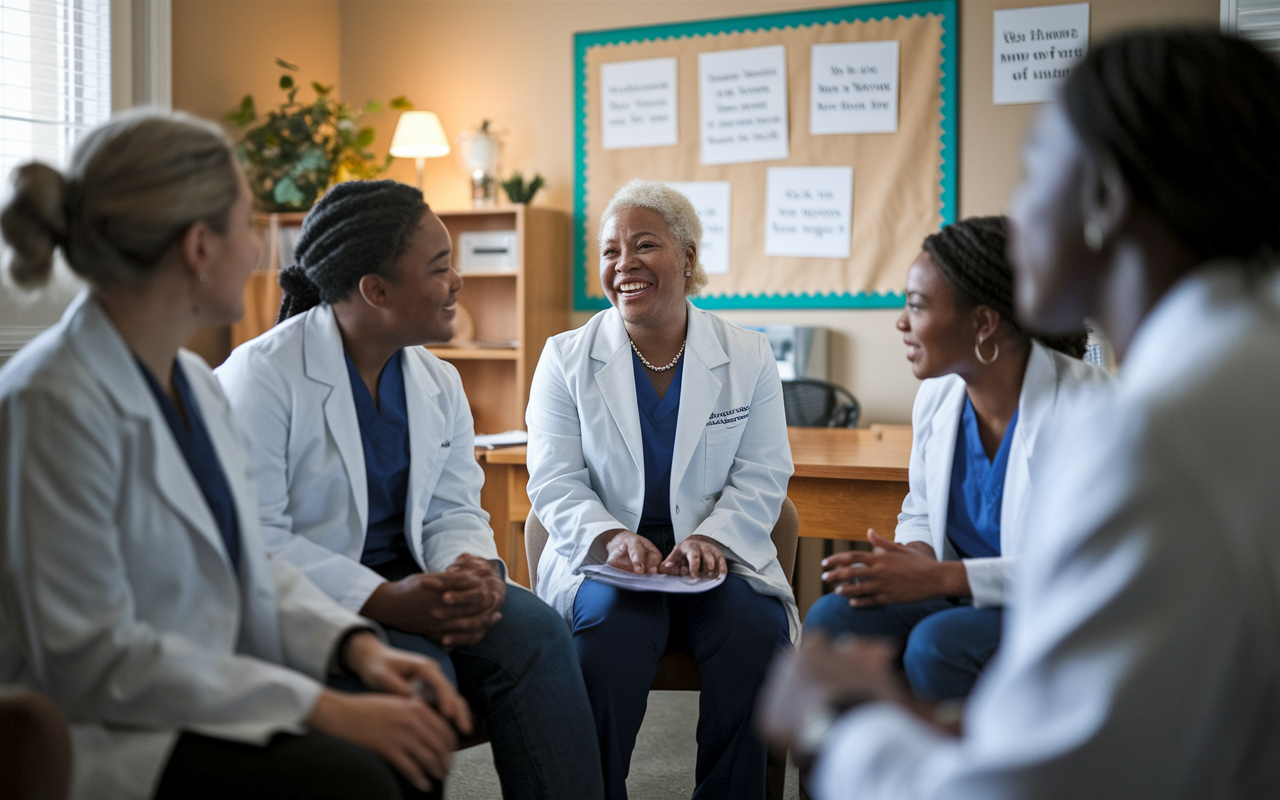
1094, 238
204, 277
687, 273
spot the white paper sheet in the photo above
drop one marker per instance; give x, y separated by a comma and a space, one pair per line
808, 211
743, 98
638, 103
854, 88
711, 200
1035, 50
671, 584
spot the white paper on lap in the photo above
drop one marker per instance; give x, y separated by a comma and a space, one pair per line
672, 584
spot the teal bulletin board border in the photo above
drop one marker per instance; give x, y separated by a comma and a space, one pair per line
584, 41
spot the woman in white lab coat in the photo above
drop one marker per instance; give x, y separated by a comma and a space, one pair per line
135, 592
658, 444
362, 445
990, 392
1140, 655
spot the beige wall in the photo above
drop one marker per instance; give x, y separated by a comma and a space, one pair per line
511, 61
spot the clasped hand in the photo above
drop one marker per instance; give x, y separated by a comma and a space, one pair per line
454, 608
697, 555
893, 573
413, 735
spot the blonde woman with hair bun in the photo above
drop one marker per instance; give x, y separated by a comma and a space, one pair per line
134, 589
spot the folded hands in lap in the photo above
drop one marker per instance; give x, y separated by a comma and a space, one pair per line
454, 608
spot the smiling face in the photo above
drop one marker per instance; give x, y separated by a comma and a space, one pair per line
939, 335
423, 300
642, 268
1056, 276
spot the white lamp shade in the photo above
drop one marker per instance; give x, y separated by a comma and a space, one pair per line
419, 135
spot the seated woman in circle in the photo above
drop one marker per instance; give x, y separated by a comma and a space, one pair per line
136, 593
658, 444
362, 442
989, 392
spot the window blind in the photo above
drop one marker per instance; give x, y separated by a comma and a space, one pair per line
55, 77
1255, 20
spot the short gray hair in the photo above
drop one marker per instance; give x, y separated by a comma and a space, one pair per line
676, 211
135, 184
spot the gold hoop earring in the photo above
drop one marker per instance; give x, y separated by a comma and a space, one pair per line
1094, 237
977, 351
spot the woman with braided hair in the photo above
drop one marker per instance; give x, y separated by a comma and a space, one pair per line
362, 442
989, 390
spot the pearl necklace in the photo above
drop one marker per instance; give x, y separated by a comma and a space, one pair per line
651, 367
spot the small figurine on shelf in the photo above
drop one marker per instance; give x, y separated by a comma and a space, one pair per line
520, 192
479, 151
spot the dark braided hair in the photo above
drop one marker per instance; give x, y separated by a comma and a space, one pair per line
971, 254
358, 228
1191, 118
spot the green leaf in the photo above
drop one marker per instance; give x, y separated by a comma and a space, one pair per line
320, 88
282, 64
364, 138
286, 82
245, 114
372, 107
401, 103
287, 193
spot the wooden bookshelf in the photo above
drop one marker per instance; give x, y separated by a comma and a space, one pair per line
524, 306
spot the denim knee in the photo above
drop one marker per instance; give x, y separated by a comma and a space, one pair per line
830, 614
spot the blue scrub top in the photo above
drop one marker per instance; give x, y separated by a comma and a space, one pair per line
977, 489
384, 432
202, 459
658, 417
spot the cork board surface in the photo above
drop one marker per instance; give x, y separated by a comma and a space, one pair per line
903, 182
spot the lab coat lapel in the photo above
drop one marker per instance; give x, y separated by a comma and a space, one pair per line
106, 355
425, 420
942, 451
617, 383
699, 391
1036, 402
323, 360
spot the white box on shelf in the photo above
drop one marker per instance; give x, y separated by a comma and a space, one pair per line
488, 250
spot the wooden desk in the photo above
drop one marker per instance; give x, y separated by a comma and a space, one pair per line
845, 481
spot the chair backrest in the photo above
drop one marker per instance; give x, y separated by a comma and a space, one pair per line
811, 403
785, 535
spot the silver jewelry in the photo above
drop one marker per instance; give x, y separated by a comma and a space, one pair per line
651, 367
1094, 237
977, 351
687, 273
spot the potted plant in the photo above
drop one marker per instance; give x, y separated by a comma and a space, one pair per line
294, 152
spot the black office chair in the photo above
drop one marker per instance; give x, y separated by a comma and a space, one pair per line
811, 403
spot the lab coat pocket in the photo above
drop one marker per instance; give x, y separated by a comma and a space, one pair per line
721, 446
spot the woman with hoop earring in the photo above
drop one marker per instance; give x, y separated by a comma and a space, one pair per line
989, 390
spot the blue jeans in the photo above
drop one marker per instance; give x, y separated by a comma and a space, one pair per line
731, 631
523, 679
946, 645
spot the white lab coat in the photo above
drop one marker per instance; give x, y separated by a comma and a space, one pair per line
1140, 655
729, 469
291, 391
1050, 380
117, 599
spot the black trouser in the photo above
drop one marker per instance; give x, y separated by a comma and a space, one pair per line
314, 766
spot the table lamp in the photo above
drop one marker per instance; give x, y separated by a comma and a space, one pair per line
419, 136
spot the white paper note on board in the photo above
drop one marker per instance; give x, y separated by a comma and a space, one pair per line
808, 211
743, 98
638, 104
711, 200
854, 88
1035, 50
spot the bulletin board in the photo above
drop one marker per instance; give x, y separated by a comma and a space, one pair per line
904, 183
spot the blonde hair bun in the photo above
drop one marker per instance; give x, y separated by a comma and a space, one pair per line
34, 222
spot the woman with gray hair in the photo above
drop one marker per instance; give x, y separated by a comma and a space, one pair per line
134, 589
658, 446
